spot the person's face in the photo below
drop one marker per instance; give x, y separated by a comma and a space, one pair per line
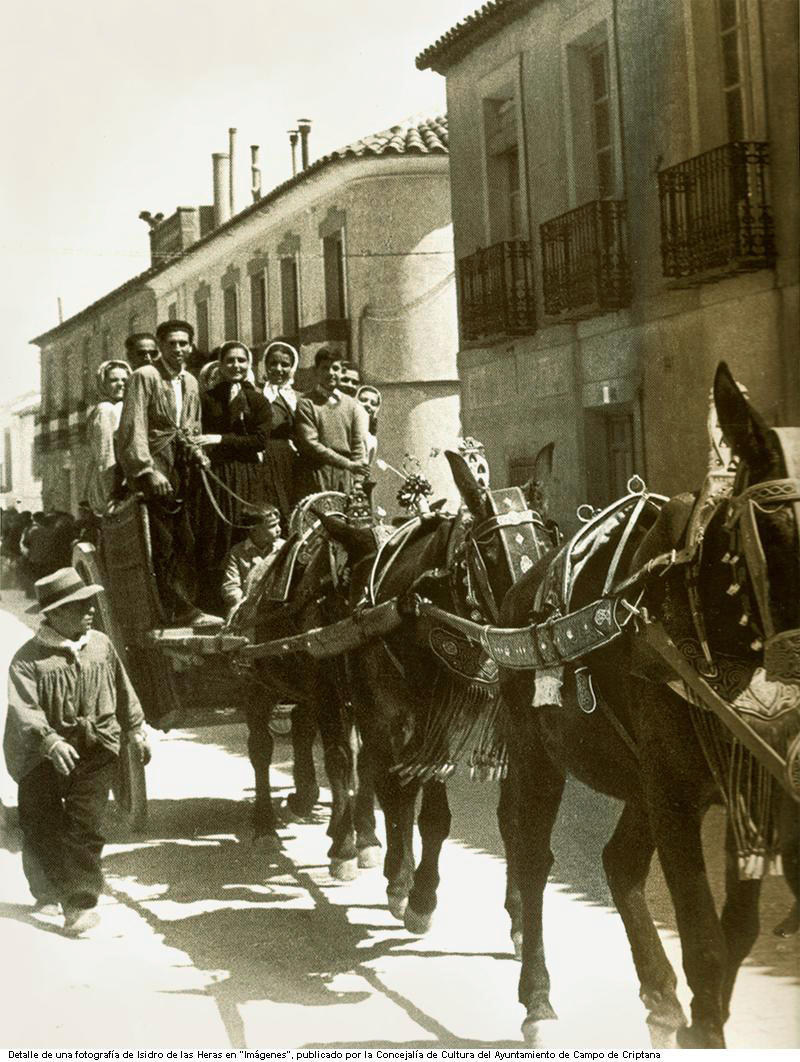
279, 368
73, 619
115, 384
265, 533
143, 352
234, 365
349, 380
328, 375
371, 401
175, 347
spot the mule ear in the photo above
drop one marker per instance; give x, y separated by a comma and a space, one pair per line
358, 541
534, 489
744, 429
472, 493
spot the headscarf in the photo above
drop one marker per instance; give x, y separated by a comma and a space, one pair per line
286, 391
208, 376
236, 402
101, 378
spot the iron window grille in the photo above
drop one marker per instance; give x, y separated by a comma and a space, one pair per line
715, 212
585, 260
496, 287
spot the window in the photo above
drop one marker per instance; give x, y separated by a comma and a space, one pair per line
230, 307
8, 478
601, 121
63, 392
107, 352
333, 256
133, 323
731, 46
504, 189
172, 311
258, 307
290, 305
203, 329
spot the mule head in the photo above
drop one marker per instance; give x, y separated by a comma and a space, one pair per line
473, 494
764, 521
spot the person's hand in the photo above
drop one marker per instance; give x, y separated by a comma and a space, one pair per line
156, 484
359, 468
63, 757
138, 739
207, 440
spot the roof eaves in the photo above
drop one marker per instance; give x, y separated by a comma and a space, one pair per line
470, 32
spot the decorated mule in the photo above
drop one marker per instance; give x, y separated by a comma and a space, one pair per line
425, 698
656, 657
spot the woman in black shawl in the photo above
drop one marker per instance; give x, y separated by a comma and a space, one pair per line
236, 425
280, 457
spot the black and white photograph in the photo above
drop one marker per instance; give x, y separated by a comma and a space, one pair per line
400, 529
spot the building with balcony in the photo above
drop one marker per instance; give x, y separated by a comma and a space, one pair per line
624, 181
354, 252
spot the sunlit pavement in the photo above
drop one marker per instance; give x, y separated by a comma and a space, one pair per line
204, 944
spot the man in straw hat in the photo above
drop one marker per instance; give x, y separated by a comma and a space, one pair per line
68, 701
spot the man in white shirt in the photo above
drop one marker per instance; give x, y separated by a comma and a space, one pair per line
159, 424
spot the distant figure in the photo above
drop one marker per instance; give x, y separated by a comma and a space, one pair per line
331, 431
208, 376
141, 349
69, 699
104, 475
372, 400
349, 379
280, 456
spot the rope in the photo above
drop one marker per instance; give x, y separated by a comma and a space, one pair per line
205, 475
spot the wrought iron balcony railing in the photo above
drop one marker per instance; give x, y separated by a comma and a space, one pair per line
585, 260
497, 295
715, 213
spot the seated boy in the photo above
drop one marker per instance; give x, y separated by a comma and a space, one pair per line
248, 560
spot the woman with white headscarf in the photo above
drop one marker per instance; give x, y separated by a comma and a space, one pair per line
104, 476
236, 425
280, 457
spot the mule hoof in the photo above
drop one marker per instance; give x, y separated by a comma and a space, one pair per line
397, 906
664, 1017
699, 1036
789, 926
265, 844
344, 869
417, 923
369, 857
516, 940
663, 1036
538, 1012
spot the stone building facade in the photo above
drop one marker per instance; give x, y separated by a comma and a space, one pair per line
624, 181
20, 465
354, 252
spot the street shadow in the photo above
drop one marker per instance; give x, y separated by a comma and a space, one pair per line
261, 919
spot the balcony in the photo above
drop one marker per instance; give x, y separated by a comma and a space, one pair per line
585, 260
715, 214
496, 285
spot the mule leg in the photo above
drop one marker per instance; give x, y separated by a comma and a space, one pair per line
434, 826
538, 786
306, 791
740, 922
398, 803
626, 859
508, 824
367, 843
260, 743
334, 727
677, 834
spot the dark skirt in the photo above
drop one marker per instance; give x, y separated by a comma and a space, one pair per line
213, 536
280, 476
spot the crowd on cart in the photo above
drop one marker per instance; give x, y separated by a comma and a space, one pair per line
214, 450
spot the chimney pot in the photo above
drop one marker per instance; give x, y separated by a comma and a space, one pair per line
304, 128
222, 203
255, 173
232, 169
293, 136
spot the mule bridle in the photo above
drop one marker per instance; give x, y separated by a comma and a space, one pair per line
781, 648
